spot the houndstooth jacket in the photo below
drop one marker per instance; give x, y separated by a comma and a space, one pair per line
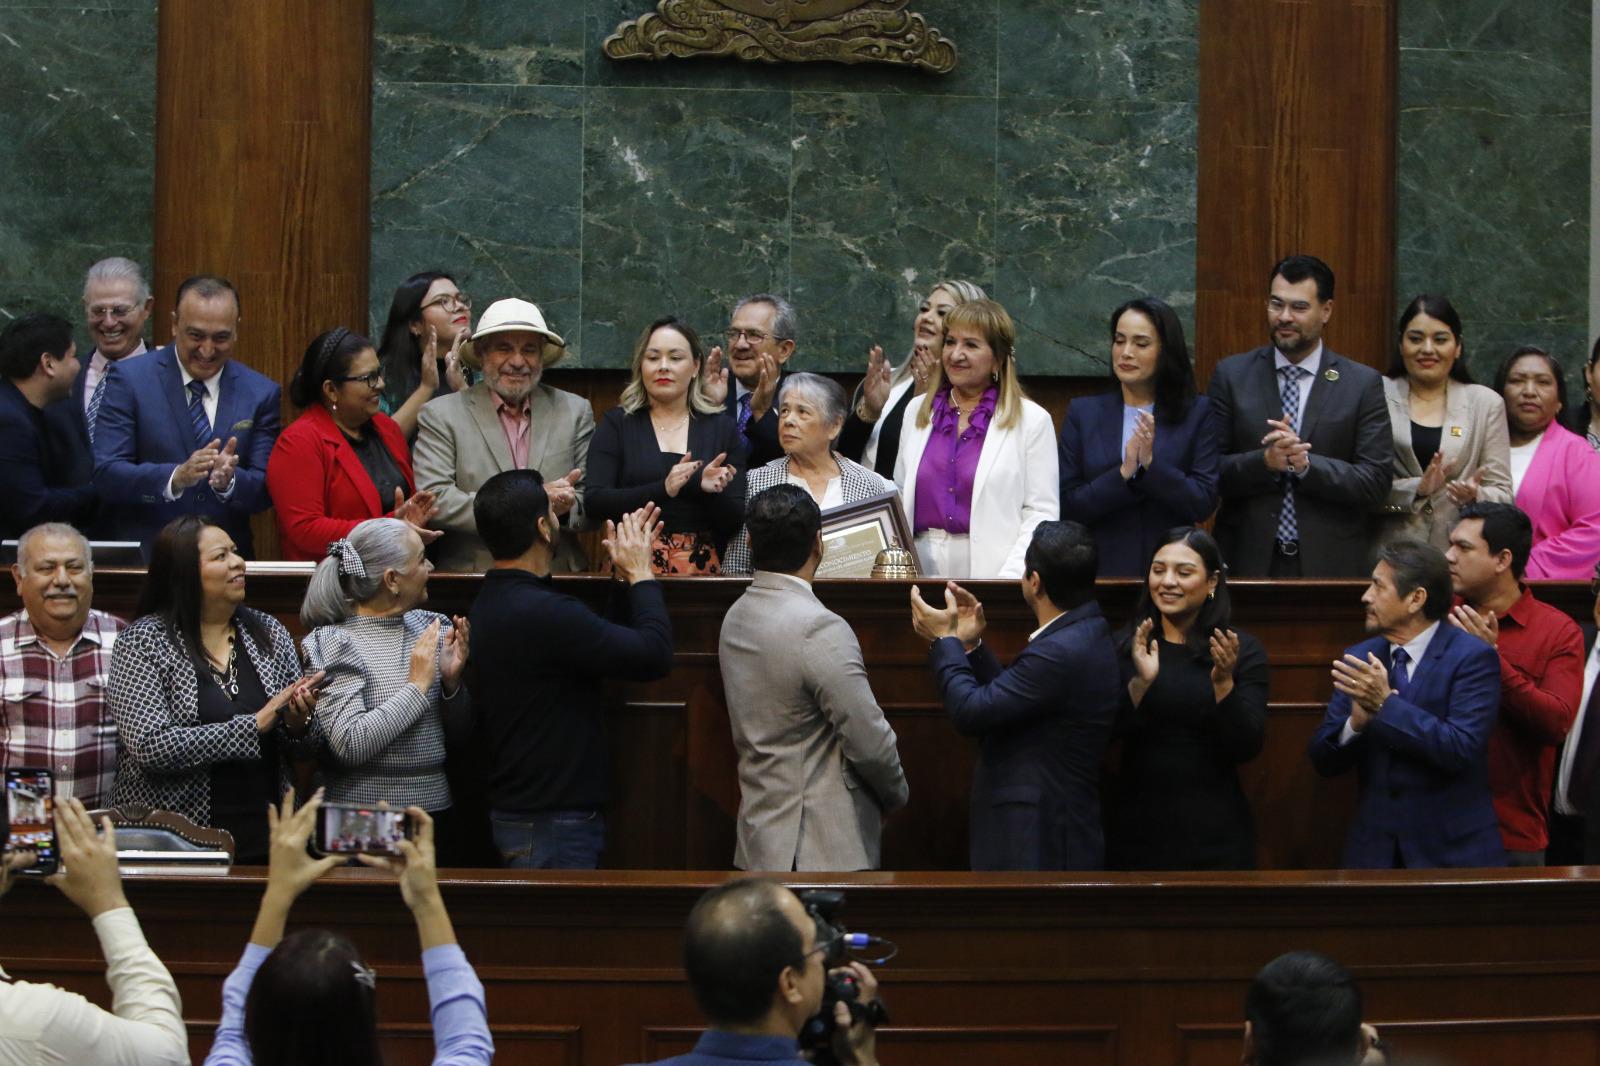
856, 483
165, 753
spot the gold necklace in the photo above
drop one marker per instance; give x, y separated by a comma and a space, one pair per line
679, 424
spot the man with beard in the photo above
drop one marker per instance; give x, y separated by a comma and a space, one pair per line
508, 421
539, 657
55, 654
1307, 448
1412, 709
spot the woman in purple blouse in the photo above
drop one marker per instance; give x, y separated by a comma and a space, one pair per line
308, 999
978, 468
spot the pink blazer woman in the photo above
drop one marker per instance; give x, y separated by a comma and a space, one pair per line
1561, 494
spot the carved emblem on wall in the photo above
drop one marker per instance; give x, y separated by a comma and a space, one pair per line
786, 31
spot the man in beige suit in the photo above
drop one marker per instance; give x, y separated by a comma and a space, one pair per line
508, 421
818, 767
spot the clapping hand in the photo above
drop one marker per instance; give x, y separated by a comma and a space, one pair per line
1465, 490
1435, 476
453, 371
417, 512
1146, 660
875, 386
717, 474
681, 472
1224, 657
453, 654
714, 377
1141, 446
297, 703
1285, 451
563, 495
962, 616
223, 466
630, 542
197, 467
1367, 685
924, 357
766, 387
1485, 626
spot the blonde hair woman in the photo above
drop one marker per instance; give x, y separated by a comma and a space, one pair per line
669, 444
978, 469
871, 434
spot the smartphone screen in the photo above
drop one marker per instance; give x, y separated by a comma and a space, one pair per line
350, 829
31, 816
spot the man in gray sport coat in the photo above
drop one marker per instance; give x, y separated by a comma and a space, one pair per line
818, 766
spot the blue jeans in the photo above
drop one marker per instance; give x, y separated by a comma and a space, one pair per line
549, 840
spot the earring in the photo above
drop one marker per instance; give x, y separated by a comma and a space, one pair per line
1211, 595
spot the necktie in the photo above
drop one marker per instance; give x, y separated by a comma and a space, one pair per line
197, 413
1586, 761
1399, 677
1288, 521
93, 414
744, 412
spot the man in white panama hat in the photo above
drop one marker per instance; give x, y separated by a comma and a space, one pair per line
507, 421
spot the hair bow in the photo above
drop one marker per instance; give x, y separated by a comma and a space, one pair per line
349, 560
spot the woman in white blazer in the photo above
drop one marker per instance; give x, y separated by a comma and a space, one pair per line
978, 466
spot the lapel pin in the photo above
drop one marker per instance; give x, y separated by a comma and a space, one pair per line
1455, 431
1331, 374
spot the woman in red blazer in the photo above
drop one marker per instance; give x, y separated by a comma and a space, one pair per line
342, 461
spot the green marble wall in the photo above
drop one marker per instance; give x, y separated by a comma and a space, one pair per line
1055, 166
1493, 171
77, 145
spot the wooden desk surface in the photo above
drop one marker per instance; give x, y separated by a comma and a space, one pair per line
583, 968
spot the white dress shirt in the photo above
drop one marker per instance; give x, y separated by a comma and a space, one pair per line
46, 1024
1521, 459
1569, 750
98, 365
1416, 648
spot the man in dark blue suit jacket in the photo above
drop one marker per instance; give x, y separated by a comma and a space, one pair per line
43, 477
1044, 723
761, 338
186, 429
1412, 711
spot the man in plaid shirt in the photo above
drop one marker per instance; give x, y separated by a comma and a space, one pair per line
55, 654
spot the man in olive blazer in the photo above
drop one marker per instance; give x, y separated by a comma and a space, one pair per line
463, 439
818, 765
1334, 454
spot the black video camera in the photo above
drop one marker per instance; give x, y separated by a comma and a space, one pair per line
816, 1036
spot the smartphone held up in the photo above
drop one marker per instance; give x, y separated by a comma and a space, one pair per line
353, 829
31, 817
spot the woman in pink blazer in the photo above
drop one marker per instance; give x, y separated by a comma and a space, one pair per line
1554, 473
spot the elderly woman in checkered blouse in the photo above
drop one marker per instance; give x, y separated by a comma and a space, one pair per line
392, 673
209, 697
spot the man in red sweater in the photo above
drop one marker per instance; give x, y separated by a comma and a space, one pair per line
1541, 668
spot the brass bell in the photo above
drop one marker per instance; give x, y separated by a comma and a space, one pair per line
894, 562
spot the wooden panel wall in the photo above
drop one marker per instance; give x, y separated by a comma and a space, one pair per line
263, 150
1297, 129
674, 770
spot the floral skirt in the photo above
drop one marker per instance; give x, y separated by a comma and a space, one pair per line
685, 554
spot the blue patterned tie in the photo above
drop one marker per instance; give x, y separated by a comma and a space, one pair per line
93, 414
197, 413
744, 412
1288, 521
1398, 675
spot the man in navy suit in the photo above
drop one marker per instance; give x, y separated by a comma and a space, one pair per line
1044, 723
187, 429
1412, 710
761, 338
43, 477
757, 972
1307, 445
116, 306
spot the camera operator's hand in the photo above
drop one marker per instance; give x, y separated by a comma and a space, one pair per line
89, 875
13, 863
856, 1045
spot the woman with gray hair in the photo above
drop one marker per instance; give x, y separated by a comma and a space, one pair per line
811, 411
392, 671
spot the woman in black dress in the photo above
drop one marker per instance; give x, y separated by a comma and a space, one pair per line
1195, 707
